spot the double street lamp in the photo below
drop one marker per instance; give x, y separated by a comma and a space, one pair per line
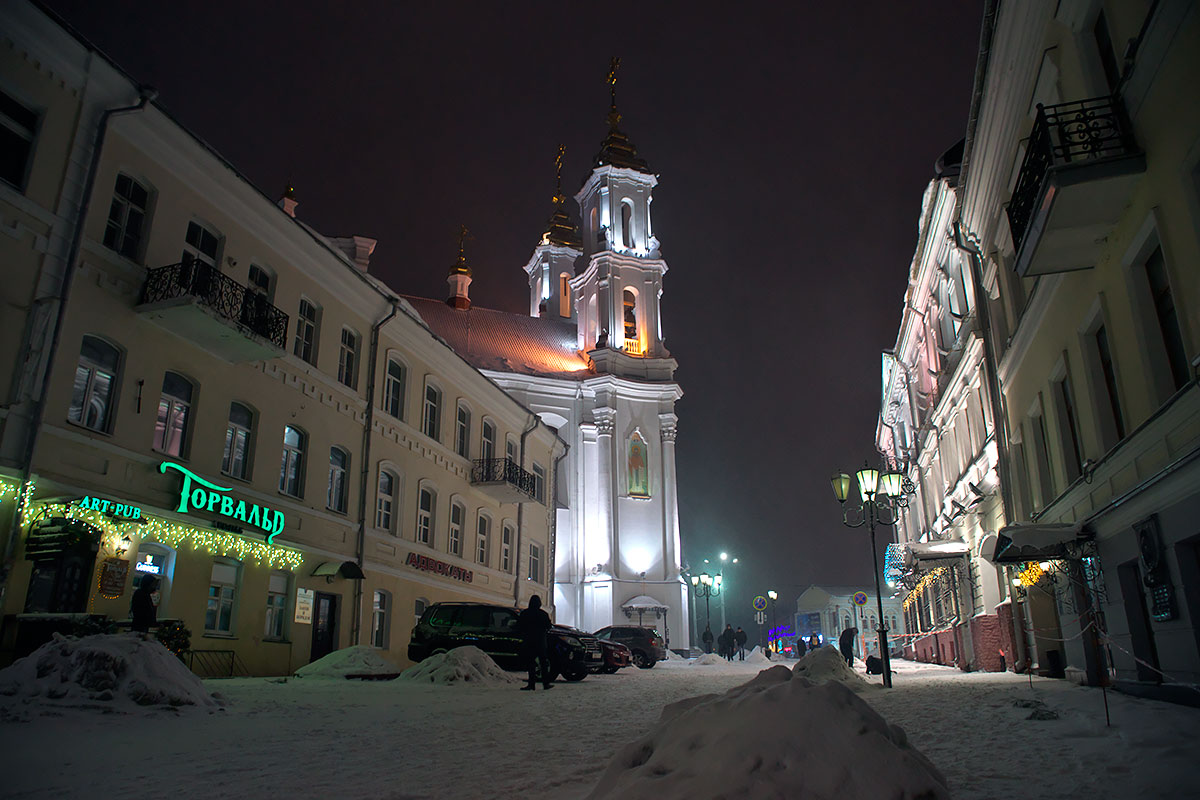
882, 498
706, 586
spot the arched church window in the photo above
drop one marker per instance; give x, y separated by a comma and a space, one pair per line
627, 223
631, 326
564, 295
638, 467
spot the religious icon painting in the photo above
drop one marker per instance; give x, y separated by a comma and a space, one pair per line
638, 467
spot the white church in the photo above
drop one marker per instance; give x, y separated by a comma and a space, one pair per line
589, 359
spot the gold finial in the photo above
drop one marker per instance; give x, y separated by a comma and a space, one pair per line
613, 116
463, 235
558, 164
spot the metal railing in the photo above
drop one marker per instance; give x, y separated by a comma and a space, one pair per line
496, 470
216, 664
222, 294
1067, 133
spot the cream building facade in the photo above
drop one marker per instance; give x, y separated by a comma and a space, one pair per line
232, 402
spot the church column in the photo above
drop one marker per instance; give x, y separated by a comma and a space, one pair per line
667, 427
606, 419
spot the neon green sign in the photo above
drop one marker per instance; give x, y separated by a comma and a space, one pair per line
207, 496
110, 507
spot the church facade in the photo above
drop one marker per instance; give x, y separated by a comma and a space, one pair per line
589, 360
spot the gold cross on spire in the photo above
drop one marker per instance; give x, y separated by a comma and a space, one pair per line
558, 164
463, 235
613, 116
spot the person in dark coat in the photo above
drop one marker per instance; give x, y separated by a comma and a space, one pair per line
800, 648
142, 610
814, 642
707, 638
532, 624
846, 644
730, 642
740, 638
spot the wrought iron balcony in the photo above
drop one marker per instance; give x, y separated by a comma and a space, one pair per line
503, 479
200, 303
1079, 168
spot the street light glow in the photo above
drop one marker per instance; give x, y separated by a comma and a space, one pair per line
774, 595
724, 556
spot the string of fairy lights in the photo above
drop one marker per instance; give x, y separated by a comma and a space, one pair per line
1030, 575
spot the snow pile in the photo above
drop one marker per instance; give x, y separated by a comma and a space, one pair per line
708, 659
777, 736
673, 656
360, 659
461, 665
109, 672
827, 664
758, 657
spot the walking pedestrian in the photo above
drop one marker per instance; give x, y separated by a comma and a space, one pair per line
740, 638
532, 624
800, 647
846, 644
814, 641
142, 609
707, 638
730, 642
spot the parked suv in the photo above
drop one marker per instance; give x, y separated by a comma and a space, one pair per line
647, 646
493, 629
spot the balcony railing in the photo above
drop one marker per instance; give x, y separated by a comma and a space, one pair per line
219, 293
513, 483
1067, 135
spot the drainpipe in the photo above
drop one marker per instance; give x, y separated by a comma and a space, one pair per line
365, 473
533, 423
147, 95
552, 557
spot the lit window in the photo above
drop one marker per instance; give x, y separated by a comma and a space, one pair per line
425, 508
339, 464
430, 420
94, 392
277, 592
306, 332
380, 609
631, 328
236, 460
386, 501
291, 470
457, 514
348, 359
482, 540
564, 295
393, 389
174, 409
222, 596
462, 432
126, 216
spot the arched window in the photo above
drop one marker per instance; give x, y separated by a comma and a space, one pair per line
260, 281
462, 431
200, 246
339, 467
627, 222
381, 608
308, 318
385, 501
487, 441
483, 539
219, 616
393, 388
629, 301
126, 217
426, 505
236, 460
277, 595
593, 227
458, 515
291, 470
431, 418
348, 359
564, 295
95, 391
507, 537
174, 411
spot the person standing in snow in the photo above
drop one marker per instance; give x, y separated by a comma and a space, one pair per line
707, 638
532, 624
142, 610
846, 644
730, 641
800, 649
740, 638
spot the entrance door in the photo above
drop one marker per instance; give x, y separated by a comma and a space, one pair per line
1140, 633
325, 616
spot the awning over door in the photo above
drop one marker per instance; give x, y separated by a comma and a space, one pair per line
1021, 542
332, 569
935, 551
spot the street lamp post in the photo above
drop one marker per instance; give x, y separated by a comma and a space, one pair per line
773, 596
882, 498
706, 586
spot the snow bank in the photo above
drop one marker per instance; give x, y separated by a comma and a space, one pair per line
460, 665
673, 656
780, 735
361, 659
708, 659
108, 672
827, 664
758, 657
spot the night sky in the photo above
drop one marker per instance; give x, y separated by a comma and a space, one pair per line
792, 145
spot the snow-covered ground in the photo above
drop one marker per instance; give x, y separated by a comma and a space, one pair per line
419, 739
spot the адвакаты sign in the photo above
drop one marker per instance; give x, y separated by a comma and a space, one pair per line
440, 567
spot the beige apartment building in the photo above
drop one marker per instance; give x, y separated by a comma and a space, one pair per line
1080, 199
231, 402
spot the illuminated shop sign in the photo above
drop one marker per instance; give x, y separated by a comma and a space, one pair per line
199, 495
781, 631
148, 566
113, 509
440, 567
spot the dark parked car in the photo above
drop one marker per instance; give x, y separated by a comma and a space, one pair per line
616, 656
493, 629
646, 645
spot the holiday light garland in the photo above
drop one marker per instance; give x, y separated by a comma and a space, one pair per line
1031, 574
919, 589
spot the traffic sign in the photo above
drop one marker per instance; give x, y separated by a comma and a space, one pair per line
860, 598
760, 603
760, 618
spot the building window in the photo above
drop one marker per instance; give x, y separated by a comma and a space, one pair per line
426, 505
462, 432
627, 223
1108, 55
277, 592
483, 539
430, 419
1042, 455
126, 217
487, 440
348, 359
385, 501
1069, 427
510, 450
564, 295
1168, 320
1108, 371
291, 470
339, 465
393, 389
174, 409
506, 544
535, 563
260, 281
630, 306
380, 609
18, 128
539, 483
306, 332
236, 460
94, 393
458, 513
222, 596
200, 245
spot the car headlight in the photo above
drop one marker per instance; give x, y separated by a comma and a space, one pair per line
572, 641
